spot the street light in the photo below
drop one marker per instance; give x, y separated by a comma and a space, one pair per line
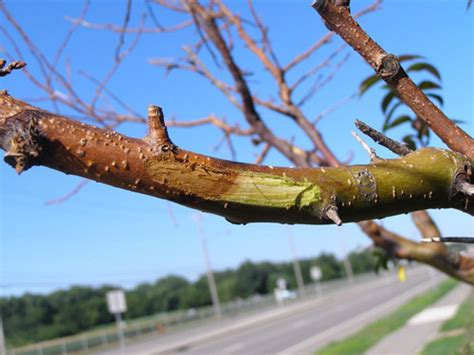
197, 217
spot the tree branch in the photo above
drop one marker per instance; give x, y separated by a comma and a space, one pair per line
242, 193
338, 19
437, 255
466, 240
382, 139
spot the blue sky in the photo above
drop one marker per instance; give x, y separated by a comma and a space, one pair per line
106, 235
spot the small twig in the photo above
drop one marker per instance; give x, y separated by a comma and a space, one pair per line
338, 18
152, 15
371, 151
333, 108
70, 194
157, 128
380, 138
197, 24
69, 34
126, 20
332, 214
465, 187
263, 154
10, 67
467, 240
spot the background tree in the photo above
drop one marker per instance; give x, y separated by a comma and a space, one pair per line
247, 193
31, 318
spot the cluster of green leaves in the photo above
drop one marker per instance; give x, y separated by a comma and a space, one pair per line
31, 318
394, 110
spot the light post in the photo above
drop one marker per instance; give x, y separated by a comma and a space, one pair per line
210, 275
296, 266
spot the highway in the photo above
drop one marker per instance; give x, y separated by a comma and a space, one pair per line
296, 328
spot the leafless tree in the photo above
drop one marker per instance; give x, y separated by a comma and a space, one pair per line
320, 190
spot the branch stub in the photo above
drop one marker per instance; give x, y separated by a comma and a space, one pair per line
389, 66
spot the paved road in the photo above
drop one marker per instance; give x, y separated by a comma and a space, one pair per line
298, 328
423, 327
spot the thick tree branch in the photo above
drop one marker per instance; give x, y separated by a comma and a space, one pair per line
242, 193
337, 18
435, 254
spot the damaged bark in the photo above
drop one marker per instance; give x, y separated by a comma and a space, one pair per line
242, 193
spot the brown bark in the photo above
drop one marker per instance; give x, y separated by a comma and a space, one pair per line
338, 19
243, 192
435, 254
240, 192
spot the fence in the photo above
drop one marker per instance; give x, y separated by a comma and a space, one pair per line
135, 330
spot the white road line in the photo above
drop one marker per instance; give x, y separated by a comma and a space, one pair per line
366, 285
303, 346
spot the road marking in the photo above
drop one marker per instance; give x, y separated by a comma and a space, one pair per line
302, 347
233, 348
434, 314
365, 285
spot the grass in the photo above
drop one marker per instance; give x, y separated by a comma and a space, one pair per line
463, 323
368, 336
463, 317
444, 346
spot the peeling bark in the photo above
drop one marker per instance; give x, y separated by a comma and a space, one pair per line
242, 193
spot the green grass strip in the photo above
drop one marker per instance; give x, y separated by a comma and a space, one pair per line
463, 320
463, 317
443, 346
364, 339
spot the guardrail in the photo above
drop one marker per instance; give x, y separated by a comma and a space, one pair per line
135, 330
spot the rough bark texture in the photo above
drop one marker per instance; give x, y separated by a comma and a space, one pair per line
437, 255
338, 19
242, 193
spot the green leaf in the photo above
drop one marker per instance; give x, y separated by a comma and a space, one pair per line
405, 57
398, 121
458, 121
425, 85
425, 66
387, 100
368, 83
409, 141
437, 98
389, 115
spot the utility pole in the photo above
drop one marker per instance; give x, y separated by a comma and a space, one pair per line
3, 350
348, 268
210, 275
347, 263
296, 265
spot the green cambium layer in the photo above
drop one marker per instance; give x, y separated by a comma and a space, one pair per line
420, 180
259, 189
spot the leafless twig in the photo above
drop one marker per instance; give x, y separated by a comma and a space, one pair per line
4, 71
382, 139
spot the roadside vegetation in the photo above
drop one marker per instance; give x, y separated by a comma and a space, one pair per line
367, 337
32, 317
457, 333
